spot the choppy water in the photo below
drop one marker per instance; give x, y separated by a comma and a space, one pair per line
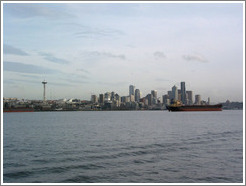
123, 147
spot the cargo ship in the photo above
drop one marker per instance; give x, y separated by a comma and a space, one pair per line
19, 109
177, 106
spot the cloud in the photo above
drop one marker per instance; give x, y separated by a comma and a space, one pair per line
8, 82
30, 10
83, 70
37, 82
52, 58
104, 54
61, 84
26, 68
197, 58
31, 76
158, 55
74, 80
7, 49
25, 80
93, 32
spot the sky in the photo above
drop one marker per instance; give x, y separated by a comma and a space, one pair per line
82, 49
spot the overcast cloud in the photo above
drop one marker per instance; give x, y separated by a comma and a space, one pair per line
7, 49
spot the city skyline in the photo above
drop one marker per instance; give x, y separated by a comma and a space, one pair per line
174, 93
90, 48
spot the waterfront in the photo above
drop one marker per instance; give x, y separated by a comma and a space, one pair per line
123, 147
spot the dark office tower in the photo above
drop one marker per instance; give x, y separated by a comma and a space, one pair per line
150, 99
117, 97
183, 93
123, 99
137, 95
112, 96
101, 98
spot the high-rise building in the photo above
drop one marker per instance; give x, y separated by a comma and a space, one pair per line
179, 94
117, 100
150, 99
128, 99
170, 94
154, 94
174, 93
137, 95
183, 93
112, 97
107, 96
101, 98
131, 90
165, 100
125, 99
189, 97
198, 99
94, 99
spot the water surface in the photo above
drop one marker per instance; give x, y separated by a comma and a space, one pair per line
123, 147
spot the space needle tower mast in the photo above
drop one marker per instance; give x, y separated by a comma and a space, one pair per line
44, 83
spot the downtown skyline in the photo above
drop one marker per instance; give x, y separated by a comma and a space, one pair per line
82, 49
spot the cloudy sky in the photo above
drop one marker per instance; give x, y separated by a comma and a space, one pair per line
82, 49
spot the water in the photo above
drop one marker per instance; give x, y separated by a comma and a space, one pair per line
123, 147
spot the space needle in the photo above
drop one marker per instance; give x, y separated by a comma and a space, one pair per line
44, 83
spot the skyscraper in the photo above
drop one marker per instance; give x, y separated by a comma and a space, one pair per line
170, 95
112, 97
137, 95
131, 90
189, 97
101, 98
154, 94
166, 100
107, 96
183, 93
174, 93
150, 99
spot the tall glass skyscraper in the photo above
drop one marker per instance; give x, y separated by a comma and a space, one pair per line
131, 90
174, 93
183, 93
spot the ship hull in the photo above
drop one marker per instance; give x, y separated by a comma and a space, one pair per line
194, 108
18, 110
